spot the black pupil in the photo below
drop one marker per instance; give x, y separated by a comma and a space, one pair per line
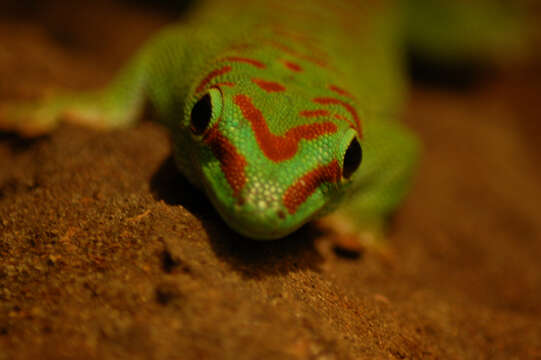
352, 158
201, 114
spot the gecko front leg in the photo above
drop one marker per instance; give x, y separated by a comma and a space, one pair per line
117, 105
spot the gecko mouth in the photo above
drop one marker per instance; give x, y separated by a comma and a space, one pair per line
260, 225
259, 212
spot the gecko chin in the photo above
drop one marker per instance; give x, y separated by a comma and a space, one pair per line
262, 217
256, 225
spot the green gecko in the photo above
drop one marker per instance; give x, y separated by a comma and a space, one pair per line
281, 112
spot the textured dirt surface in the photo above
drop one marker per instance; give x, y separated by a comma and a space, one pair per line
107, 253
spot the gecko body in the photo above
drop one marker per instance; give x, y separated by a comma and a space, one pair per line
279, 112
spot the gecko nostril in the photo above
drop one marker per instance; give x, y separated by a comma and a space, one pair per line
281, 214
241, 201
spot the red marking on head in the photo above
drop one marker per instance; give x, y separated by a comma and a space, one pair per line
211, 76
314, 113
341, 91
297, 193
279, 148
332, 101
292, 66
269, 86
231, 162
253, 62
343, 118
225, 83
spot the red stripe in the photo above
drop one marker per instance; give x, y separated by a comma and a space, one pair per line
297, 193
231, 162
225, 83
314, 113
344, 118
211, 76
341, 91
279, 148
269, 86
292, 66
348, 107
253, 62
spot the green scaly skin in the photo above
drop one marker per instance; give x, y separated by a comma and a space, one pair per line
271, 107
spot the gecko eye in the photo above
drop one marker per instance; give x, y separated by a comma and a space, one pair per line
206, 111
352, 158
201, 115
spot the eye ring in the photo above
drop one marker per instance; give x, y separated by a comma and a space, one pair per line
353, 157
205, 111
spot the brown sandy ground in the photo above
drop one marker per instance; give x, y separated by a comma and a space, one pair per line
107, 253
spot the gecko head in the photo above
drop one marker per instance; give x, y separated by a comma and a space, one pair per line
270, 161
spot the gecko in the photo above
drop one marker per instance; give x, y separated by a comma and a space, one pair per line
280, 112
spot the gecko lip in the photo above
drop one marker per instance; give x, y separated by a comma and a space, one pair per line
259, 225
259, 218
